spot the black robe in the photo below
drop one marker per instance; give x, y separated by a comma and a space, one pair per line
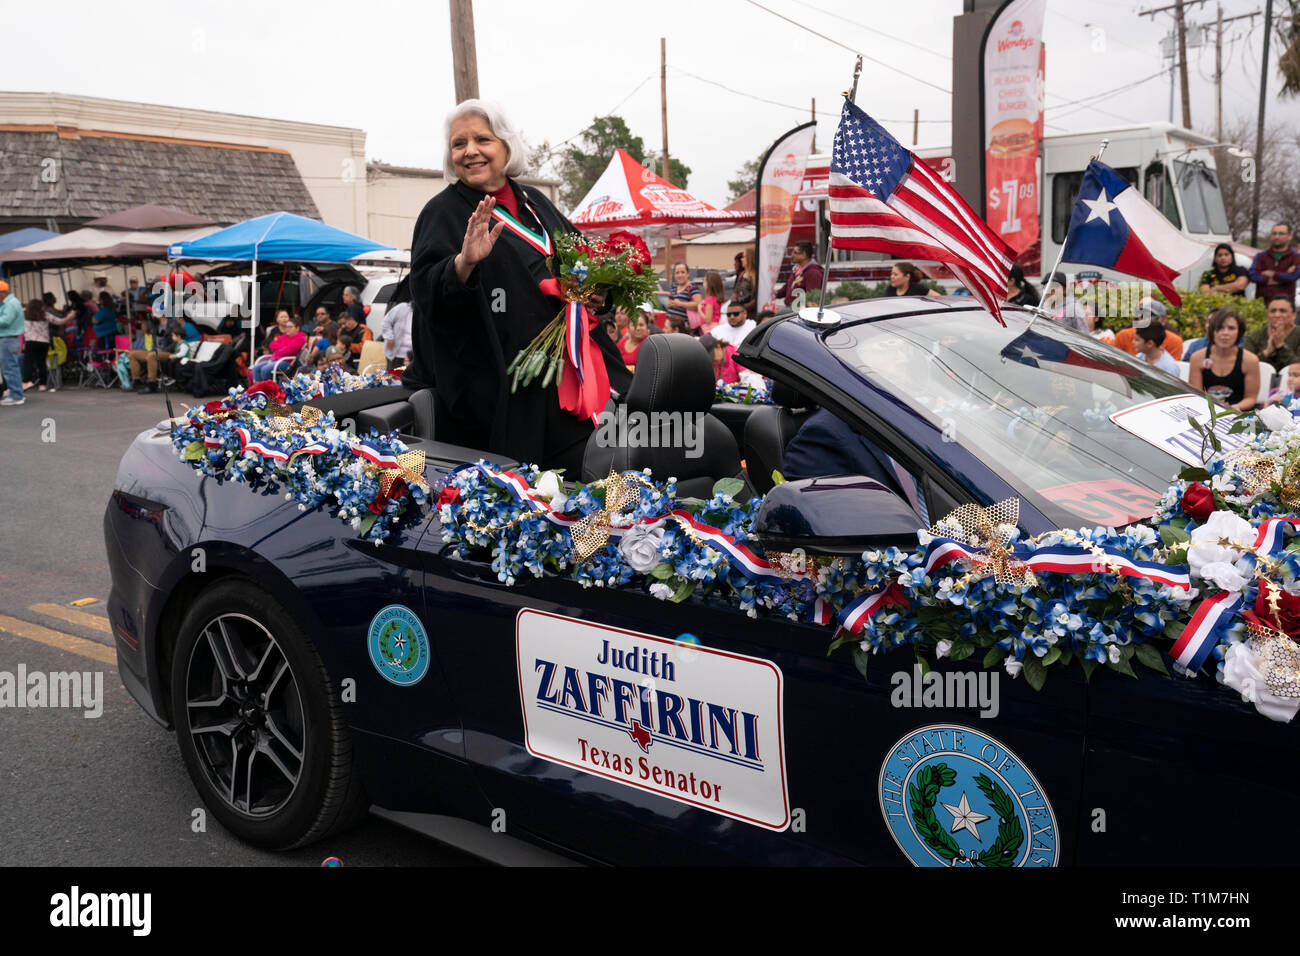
463, 335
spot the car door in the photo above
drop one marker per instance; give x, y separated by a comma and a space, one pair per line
814, 773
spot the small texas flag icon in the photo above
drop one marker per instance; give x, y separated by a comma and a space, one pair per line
640, 736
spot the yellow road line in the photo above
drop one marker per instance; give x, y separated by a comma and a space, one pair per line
95, 622
57, 639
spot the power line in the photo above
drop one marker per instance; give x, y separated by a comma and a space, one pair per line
850, 49
789, 106
1106, 94
876, 30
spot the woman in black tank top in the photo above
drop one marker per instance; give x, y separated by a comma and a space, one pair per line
1236, 385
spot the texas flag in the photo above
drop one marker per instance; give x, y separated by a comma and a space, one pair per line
1114, 227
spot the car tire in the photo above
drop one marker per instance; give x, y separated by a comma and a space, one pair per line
259, 725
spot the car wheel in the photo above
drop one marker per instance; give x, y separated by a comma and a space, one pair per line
260, 729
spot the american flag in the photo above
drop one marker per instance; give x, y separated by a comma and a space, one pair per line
885, 200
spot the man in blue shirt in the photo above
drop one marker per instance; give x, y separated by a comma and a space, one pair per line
12, 323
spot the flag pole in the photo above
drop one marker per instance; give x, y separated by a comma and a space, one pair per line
1038, 309
852, 94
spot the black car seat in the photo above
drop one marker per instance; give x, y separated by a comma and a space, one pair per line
673, 374
769, 429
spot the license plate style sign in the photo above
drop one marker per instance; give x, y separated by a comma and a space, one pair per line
696, 725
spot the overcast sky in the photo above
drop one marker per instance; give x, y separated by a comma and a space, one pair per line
385, 67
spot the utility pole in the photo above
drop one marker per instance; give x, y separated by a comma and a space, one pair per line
814, 119
1218, 68
1180, 26
663, 97
663, 116
464, 61
1182, 63
1259, 129
916, 124
1218, 74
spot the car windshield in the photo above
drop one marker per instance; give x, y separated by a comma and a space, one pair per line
1033, 401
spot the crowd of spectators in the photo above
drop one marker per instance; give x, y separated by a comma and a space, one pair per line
1226, 361
129, 339
705, 311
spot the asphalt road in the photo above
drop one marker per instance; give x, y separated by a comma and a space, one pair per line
108, 790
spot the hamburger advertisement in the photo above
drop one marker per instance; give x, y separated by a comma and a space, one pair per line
1013, 120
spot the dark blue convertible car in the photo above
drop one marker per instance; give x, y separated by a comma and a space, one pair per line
311, 673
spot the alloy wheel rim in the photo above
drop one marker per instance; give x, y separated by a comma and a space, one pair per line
245, 714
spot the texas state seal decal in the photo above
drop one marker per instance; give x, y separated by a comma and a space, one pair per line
953, 796
398, 645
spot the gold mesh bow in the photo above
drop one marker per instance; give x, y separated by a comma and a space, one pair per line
591, 533
1290, 481
280, 421
410, 468
978, 528
1278, 657
1257, 472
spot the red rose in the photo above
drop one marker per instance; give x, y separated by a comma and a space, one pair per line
1287, 618
450, 496
213, 407
1198, 501
395, 491
638, 256
273, 392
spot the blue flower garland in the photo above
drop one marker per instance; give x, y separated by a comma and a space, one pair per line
312, 463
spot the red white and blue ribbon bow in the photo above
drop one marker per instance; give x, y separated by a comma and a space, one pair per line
1199, 636
584, 386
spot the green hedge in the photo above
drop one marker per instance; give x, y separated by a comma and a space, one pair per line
1116, 304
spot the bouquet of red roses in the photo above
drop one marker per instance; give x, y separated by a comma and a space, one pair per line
581, 268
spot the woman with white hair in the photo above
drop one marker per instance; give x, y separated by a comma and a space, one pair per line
477, 256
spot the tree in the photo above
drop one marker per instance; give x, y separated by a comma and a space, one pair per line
678, 172
1288, 64
746, 179
580, 164
1279, 195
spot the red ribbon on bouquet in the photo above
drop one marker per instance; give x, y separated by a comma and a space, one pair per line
584, 387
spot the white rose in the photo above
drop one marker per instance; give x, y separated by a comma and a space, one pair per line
1223, 575
548, 486
1012, 666
942, 648
660, 590
1241, 672
1205, 548
640, 547
1275, 418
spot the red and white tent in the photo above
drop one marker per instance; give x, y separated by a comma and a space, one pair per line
628, 195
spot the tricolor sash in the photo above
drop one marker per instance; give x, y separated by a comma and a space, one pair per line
541, 241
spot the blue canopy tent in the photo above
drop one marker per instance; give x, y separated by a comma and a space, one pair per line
23, 237
278, 237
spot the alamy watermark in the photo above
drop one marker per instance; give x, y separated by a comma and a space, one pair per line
954, 689
624, 429
78, 690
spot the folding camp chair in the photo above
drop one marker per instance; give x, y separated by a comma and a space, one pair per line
96, 364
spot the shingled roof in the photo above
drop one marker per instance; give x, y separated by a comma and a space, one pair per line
69, 175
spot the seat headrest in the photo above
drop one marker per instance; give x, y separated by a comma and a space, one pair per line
673, 373
786, 397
